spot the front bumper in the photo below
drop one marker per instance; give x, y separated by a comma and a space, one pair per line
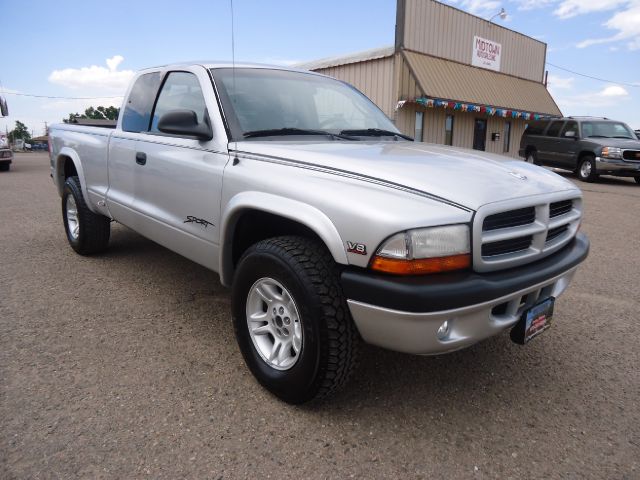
619, 168
404, 314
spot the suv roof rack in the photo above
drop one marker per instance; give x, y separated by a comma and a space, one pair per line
587, 116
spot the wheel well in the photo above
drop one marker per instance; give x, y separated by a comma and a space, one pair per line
585, 153
254, 226
69, 168
529, 149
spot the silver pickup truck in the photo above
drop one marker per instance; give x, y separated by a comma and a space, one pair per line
329, 225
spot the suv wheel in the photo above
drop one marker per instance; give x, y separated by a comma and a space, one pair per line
637, 179
587, 169
532, 157
87, 232
291, 320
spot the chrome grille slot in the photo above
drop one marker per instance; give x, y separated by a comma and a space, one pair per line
511, 218
560, 208
506, 246
517, 232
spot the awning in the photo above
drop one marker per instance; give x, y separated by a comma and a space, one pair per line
439, 78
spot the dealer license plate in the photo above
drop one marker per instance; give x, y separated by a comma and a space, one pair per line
534, 321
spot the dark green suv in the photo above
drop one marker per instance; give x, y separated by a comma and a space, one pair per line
588, 146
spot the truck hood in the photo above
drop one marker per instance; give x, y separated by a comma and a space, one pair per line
615, 142
465, 177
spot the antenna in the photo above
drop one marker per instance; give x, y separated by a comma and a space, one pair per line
233, 70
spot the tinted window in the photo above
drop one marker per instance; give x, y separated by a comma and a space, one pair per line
606, 129
554, 129
570, 127
448, 130
507, 137
181, 91
137, 112
536, 128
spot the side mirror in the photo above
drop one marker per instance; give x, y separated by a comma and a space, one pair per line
570, 134
185, 122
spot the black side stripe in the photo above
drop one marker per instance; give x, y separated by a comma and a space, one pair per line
348, 174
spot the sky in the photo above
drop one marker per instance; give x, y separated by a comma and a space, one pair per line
71, 48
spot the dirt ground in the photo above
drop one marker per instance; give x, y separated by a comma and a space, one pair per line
125, 365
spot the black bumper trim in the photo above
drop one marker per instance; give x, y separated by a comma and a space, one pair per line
457, 290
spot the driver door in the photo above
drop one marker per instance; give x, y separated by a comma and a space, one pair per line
178, 179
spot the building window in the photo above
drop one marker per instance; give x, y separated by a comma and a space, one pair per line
417, 137
507, 137
448, 130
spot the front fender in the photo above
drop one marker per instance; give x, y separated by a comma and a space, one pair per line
294, 210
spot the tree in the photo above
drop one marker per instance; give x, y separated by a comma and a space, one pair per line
99, 113
20, 132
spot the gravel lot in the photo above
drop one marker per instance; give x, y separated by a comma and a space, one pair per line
125, 366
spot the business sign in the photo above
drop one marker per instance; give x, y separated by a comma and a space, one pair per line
486, 54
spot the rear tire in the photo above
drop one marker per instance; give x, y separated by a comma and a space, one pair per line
637, 179
587, 169
294, 283
532, 157
5, 167
87, 232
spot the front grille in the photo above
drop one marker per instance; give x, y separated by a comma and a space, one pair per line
560, 208
511, 218
5, 154
631, 155
506, 246
556, 232
507, 235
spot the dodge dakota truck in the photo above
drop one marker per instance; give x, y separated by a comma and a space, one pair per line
329, 225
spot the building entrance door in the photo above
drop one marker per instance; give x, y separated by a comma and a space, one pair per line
480, 134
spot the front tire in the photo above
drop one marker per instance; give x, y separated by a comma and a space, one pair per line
4, 167
637, 179
587, 169
87, 232
291, 320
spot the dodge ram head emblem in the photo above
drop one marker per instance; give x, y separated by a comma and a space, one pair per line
359, 248
518, 175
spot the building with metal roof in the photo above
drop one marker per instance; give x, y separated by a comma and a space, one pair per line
452, 78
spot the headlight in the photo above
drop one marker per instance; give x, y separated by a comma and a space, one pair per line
611, 152
424, 250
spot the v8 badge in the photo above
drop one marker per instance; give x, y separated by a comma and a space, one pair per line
359, 248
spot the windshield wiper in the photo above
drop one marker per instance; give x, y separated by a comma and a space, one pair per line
273, 132
620, 136
597, 136
375, 132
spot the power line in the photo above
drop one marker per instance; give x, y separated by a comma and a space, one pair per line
58, 98
594, 78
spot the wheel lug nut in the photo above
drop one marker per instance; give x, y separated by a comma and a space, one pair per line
287, 320
281, 310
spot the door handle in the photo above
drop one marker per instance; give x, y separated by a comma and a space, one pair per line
141, 158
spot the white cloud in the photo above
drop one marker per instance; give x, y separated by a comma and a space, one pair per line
609, 96
560, 83
482, 8
571, 8
94, 76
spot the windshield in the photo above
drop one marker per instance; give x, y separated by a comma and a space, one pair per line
606, 130
261, 102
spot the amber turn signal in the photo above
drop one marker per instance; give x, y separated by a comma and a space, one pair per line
421, 266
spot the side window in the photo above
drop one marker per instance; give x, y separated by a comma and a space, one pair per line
507, 137
570, 127
181, 91
536, 128
554, 129
448, 130
137, 112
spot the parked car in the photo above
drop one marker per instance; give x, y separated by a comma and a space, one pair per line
327, 222
6, 157
588, 146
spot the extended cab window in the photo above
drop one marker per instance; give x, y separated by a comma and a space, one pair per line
554, 129
137, 112
181, 91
